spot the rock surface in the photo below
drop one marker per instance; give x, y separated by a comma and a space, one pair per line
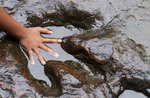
118, 58
75, 81
109, 61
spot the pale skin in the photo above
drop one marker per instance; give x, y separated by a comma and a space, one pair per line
29, 38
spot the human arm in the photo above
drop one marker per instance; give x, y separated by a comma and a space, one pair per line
29, 38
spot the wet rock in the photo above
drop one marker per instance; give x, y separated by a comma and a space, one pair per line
120, 59
53, 12
66, 15
76, 81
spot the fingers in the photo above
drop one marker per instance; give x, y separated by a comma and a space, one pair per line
31, 56
43, 30
42, 46
37, 51
37, 42
50, 40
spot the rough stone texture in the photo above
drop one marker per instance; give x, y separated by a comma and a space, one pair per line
66, 15
51, 13
119, 59
75, 81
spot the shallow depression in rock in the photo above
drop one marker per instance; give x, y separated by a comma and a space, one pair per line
37, 70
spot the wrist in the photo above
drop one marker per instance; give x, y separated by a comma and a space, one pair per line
20, 32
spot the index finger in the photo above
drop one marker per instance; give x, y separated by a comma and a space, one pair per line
51, 40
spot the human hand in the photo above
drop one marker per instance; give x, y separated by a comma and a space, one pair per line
32, 41
29, 38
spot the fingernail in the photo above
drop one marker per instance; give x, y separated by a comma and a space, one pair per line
60, 40
56, 55
50, 32
43, 62
32, 62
